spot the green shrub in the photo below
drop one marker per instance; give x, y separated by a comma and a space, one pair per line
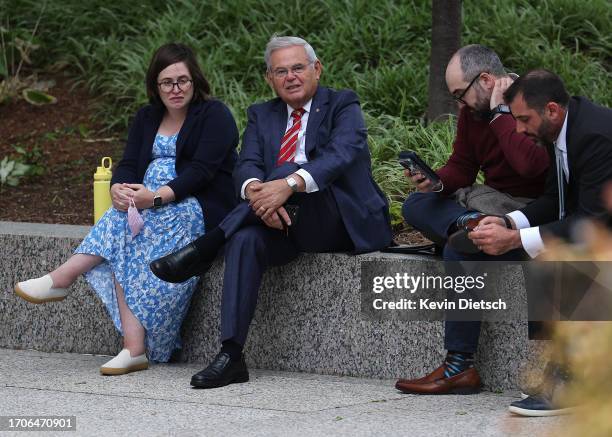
379, 49
389, 136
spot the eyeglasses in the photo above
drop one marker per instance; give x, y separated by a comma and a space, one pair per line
167, 86
281, 73
459, 98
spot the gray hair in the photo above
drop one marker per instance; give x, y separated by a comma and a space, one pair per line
279, 42
476, 58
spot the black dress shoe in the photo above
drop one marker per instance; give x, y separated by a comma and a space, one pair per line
180, 265
221, 372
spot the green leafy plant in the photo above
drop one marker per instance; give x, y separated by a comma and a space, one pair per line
37, 97
17, 45
11, 172
32, 158
390, 135
84, 131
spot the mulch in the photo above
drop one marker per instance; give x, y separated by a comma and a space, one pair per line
70, 144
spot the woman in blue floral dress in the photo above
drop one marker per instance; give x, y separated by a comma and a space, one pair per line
173, 182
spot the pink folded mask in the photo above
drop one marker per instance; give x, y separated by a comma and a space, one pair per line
135, 221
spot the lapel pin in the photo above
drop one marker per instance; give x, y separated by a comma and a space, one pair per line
317, 109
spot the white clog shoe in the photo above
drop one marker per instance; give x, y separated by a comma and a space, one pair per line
40, 290
124, 363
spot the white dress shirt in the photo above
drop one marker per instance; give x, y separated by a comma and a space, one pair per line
300, 153
530, 236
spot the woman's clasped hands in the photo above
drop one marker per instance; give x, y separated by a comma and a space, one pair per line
121, 194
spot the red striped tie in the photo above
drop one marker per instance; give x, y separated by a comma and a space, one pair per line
289, 141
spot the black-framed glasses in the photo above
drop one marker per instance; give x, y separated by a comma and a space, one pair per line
460, 97
281, 73
167, 86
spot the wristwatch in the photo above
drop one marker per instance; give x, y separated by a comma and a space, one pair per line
157, 200
292, 183
501, 109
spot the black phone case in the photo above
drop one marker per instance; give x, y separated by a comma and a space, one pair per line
411, 161
292, 212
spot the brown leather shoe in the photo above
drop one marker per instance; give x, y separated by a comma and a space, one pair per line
436, 374
464, 383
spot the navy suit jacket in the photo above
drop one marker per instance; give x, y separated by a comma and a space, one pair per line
338, 160
205, 156
589, 157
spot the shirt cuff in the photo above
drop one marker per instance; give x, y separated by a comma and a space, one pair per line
532, 241
244, 185
520, 220
311, 185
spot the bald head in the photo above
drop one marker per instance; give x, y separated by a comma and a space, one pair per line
468, 62
454, 75
465, 68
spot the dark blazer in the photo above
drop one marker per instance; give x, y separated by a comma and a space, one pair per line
589, 157
205, 156
338, 160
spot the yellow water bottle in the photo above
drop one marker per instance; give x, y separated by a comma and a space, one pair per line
102, 178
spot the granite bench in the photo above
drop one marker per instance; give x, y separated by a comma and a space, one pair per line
308, 317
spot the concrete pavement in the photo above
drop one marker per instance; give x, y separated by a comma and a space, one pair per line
160, 402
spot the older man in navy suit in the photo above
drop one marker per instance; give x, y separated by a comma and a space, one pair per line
304, 174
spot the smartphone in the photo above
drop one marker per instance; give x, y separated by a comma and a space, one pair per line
411, 161
292, 212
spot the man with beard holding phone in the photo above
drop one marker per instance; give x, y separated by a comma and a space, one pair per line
514, 169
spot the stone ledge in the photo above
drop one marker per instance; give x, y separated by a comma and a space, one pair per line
43, 230
307, 319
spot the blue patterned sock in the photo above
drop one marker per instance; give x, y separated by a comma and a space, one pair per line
457, 362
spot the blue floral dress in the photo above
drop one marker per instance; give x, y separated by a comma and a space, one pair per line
159, 306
